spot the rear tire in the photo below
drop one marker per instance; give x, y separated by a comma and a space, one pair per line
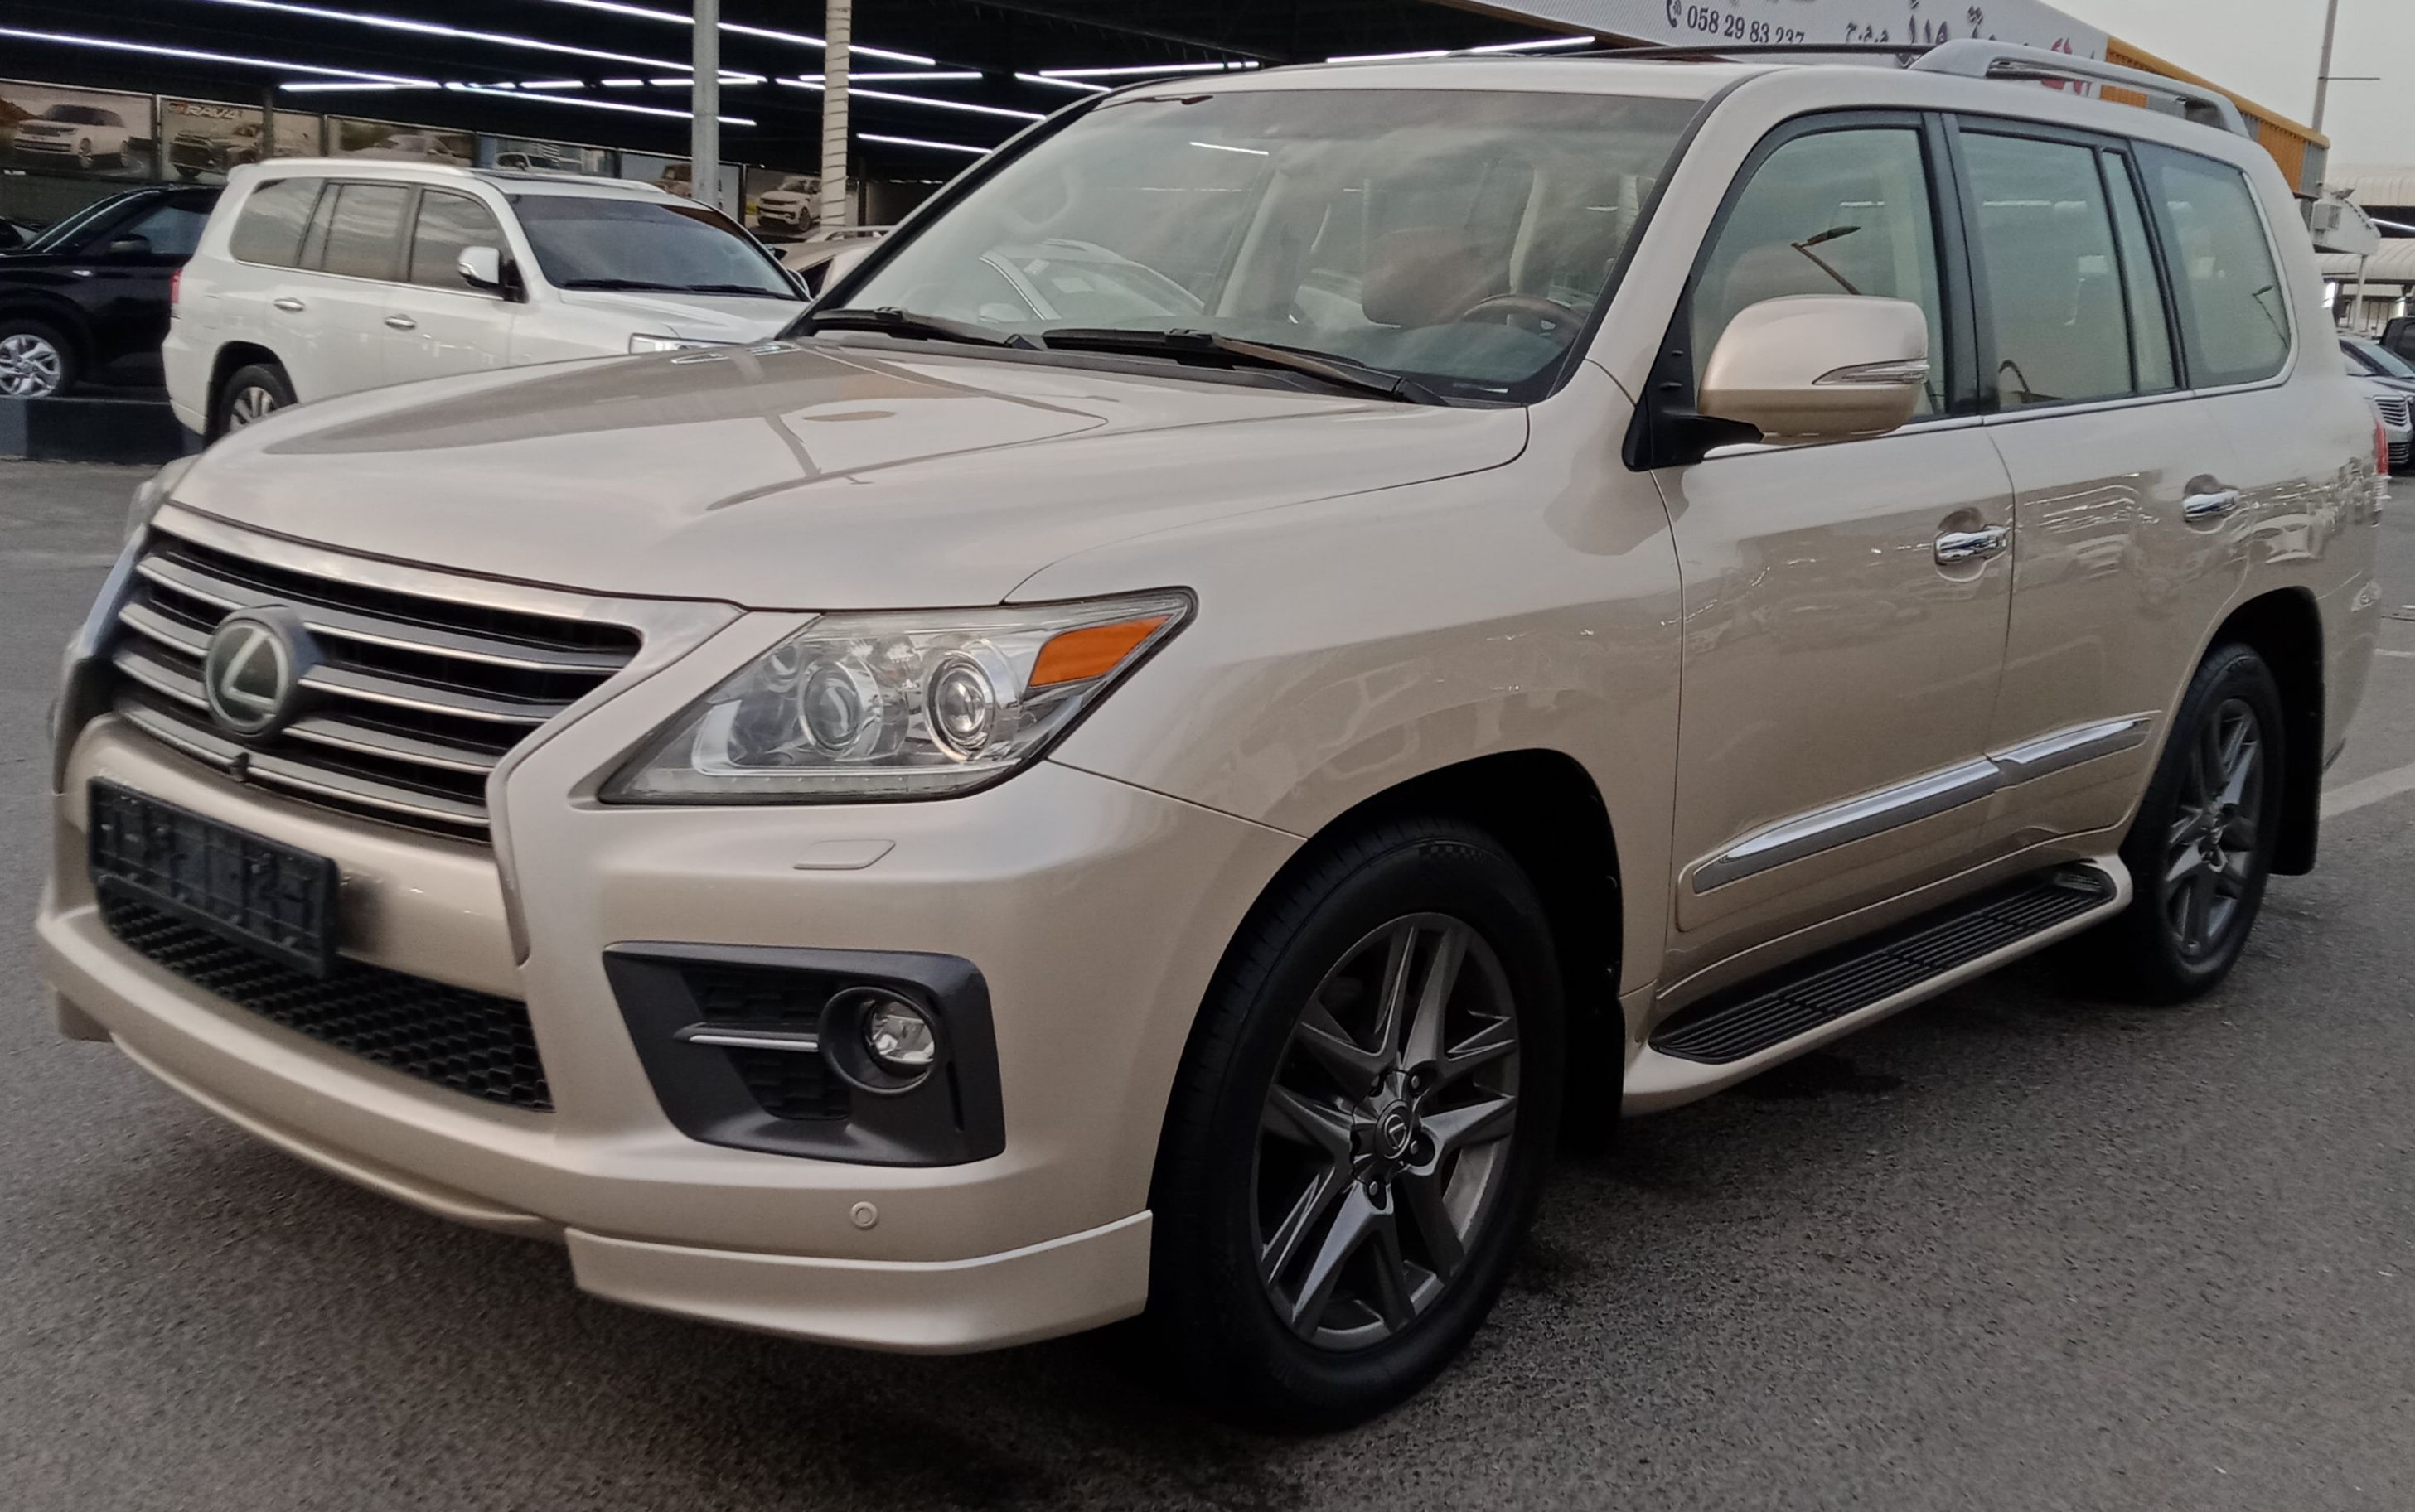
1383, 1166
2201, 848
251, 394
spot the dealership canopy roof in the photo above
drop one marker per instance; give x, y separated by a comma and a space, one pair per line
931, 75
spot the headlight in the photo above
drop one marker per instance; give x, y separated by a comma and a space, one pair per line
152, 493
889, 706
642, 342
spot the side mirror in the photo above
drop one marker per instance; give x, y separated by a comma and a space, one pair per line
128, 247
482, 268
1820, 367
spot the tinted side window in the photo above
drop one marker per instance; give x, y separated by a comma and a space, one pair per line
1835, 213
269, 228
364, 229
173, 230
2151, 326
2234, 313
449, 224
2056, 307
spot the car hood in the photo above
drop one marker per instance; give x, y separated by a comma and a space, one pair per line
810, 475
704, 317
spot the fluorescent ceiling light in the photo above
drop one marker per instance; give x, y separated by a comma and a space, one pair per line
507, 93
1539, 45
430, 28
114, 45
1218, 146
615, 8
1145, 70
349, 86
965, 76
1074, 85
966, 106
918, 141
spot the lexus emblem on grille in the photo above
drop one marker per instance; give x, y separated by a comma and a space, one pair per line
252, 673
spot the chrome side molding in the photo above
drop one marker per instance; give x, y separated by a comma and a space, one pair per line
1924, 797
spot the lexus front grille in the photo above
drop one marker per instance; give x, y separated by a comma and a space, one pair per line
413, 702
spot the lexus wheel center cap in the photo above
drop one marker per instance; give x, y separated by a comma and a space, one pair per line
253, 672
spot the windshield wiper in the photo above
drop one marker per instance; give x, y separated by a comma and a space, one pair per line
1232, 351
890, 320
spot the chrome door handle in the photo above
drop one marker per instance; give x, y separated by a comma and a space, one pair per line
1956, 548
288, 303
402, 322
2209, 505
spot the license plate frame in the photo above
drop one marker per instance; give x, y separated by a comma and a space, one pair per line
244, 888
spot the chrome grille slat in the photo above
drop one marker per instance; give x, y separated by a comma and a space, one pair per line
398, 694
413, 702
347, 735
227, 595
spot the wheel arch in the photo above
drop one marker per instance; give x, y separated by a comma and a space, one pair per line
2286, 629
1548, 813
60, 315
235, 355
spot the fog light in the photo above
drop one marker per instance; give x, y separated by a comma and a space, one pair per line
899, 1037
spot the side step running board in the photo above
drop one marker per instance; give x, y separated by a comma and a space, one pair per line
1724, 1039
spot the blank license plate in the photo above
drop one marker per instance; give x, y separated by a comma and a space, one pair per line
270, 898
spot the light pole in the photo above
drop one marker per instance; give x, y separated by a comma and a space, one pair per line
2323, 74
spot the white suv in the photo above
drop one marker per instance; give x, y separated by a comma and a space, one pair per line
318, 276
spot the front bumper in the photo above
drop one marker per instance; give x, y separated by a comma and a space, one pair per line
1044, 882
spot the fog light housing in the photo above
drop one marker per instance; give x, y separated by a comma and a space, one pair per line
900, 1036
879, 1039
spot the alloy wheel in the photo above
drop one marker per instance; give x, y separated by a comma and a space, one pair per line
2210, 854
31, 367
250, 402
1384, 1143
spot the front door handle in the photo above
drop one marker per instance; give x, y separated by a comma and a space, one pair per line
288, 303
1956, 548
2203, 506
402, 322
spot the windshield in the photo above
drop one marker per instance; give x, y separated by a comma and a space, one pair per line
585, 241
74, 225
1460, 237
2383, 358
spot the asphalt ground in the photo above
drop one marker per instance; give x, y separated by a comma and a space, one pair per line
2018, 1249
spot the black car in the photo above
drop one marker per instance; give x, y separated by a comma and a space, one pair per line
87, 299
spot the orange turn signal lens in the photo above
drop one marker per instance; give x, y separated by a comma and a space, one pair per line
1079, 655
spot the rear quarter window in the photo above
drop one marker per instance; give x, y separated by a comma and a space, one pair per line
268, 227
2234, 308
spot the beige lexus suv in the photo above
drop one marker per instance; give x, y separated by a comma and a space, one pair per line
1504, 590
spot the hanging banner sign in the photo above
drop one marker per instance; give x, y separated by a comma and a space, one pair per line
1758, 22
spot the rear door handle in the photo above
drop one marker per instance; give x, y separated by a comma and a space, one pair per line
288, 303
1957, 547
402, 322
2209, 505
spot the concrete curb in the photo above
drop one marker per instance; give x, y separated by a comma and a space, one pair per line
93, 430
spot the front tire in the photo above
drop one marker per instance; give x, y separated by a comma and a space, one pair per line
36, 362
251, 394
2201, 850
1359, 1130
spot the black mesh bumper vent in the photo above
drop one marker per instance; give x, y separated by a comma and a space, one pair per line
468, 1042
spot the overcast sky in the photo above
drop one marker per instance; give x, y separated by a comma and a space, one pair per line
2267, 50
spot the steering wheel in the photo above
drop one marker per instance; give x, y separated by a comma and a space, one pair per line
1532, 311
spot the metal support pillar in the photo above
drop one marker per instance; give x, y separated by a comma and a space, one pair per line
704, 106
838, 30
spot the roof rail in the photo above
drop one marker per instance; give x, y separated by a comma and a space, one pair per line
1971, 58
